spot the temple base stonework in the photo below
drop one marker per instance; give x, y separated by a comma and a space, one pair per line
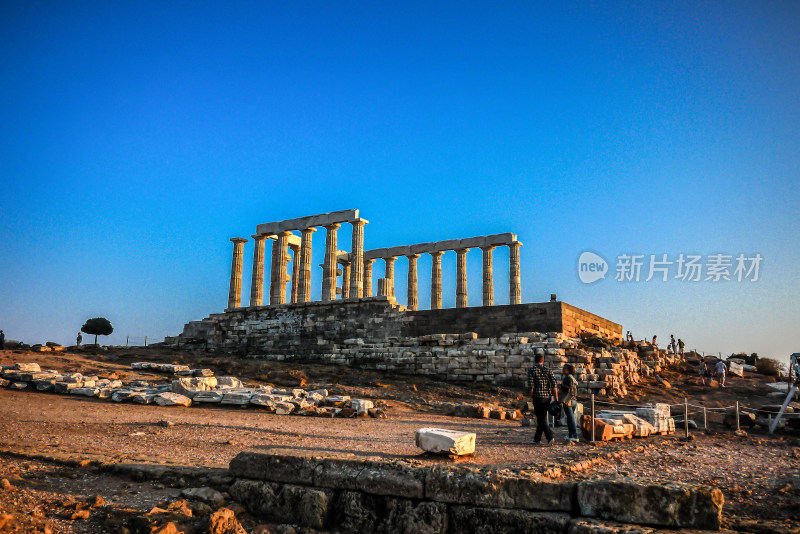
377, 333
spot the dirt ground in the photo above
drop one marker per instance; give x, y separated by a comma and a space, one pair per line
59, 451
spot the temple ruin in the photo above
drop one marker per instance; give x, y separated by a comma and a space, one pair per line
352, 324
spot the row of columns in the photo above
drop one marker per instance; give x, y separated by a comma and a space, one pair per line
514, 293
356, 273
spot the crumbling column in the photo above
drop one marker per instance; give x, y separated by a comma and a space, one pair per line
461, 278
357, 259
257, 282
389, 274
304, 292
367, 291
488, 285
295, 273
281, 275
514, 281
413, 304
330, 264
346, 279
235, 291
436, 280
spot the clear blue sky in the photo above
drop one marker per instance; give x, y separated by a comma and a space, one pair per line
136, 138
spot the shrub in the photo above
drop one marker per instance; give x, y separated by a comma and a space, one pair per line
770, 367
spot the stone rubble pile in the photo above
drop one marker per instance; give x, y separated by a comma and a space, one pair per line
186, 391
641, 422
174, 368
506, 359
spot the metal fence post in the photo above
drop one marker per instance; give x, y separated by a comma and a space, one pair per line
737, 416
592, 417
686, 416
145, 341
126, 340
705, 419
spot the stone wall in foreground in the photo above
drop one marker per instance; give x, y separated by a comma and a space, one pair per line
352, 495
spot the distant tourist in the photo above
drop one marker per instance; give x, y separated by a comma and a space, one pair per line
79, 339
629, 337
2, 340
681, 346
721, 372
704, 372
541, 386
655, 343
673, 347
567, 392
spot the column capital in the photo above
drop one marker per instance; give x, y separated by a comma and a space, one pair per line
369, 261
238, 240
285, 233
413, 256
515, 244
487, 248
332, 227
461, 250
359, 222
258, 237
309, 230
436, 253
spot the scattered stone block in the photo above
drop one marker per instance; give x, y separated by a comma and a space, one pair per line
630, 502
19, 385
172, 399
207, 396
440, 440
361, 406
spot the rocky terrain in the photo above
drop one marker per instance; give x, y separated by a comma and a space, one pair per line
72, 463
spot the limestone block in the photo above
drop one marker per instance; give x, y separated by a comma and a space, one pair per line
445, 441
172, 399
361, 406
238, 398
85, 391
667, 505
283, 408
493, 520
285, 503
19, 385
207, 396
65, 387
30, 367
358, 512
736, 369
583, 525
228, 382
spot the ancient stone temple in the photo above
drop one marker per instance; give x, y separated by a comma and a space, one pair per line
351, 313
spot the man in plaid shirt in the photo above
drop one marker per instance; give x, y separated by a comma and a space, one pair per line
541, 385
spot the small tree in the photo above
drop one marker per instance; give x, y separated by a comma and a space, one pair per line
98, 326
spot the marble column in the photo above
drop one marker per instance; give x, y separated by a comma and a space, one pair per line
295, 273
389, 274
436, 280
346, 279
488, 285
413, 302
235, 291
461, 278
273, 274
330, 265
257, 281
514, 281
281, 275
357, 259
367, 290
304, 292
